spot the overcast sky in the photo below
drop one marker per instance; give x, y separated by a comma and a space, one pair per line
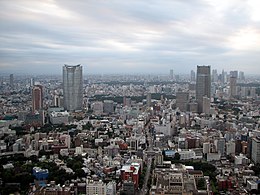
128, 36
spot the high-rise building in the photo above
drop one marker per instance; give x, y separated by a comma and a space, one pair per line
256, 150
233, 85
192, 76
149, 99
214, 75
241, 76
37, 98
32, 82
206, 105
234, 73
73, 87
203, 85
182, 101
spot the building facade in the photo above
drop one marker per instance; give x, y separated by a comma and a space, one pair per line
256, 150
203, 85
73, 87
37, 98
182, 101
233, 85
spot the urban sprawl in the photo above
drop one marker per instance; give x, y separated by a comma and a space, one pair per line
130, 134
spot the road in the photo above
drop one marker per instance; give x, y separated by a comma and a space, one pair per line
149, 162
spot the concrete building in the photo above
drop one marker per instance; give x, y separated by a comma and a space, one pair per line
231, 148
233, 85
182, 101
256, 150
192, 76
203, 85
128, 188
59, 117
37, 98
111, 188
220, 145
108, 106
73, 87
206, 105
149, 99
96, 187
97, 107
11, 81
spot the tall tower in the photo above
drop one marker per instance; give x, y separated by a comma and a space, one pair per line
73, 87
203, 85
233, 85
37, 98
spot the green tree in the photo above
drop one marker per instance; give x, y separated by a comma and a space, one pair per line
201, 185
177, 156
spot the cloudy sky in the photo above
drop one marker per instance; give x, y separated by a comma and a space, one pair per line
131, 36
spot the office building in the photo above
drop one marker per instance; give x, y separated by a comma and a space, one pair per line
234, 73
37, 98
72, 87
214, 75
182, 101
206, 105
256, 150
32, 82
192, 76
203, 85
232, 85
12, 81
149, 99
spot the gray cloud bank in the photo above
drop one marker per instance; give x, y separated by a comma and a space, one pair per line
129, 36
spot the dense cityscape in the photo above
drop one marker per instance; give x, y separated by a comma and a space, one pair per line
130, 134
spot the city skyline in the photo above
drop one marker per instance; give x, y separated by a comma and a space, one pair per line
122, 37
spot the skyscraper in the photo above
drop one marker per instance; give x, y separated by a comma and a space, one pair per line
203, 85
192, 76
72, 87
182, 101
233, 85
37, 98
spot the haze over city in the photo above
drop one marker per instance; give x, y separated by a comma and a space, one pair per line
129, 36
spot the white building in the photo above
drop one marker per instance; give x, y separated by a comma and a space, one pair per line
111, 188
187, 154
206, 148
230, 148
59, 117
96, 187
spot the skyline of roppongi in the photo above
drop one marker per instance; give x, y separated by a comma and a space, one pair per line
129, 36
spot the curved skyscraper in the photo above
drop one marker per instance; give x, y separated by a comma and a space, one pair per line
72, 87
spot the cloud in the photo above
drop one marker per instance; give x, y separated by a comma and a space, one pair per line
133, 36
